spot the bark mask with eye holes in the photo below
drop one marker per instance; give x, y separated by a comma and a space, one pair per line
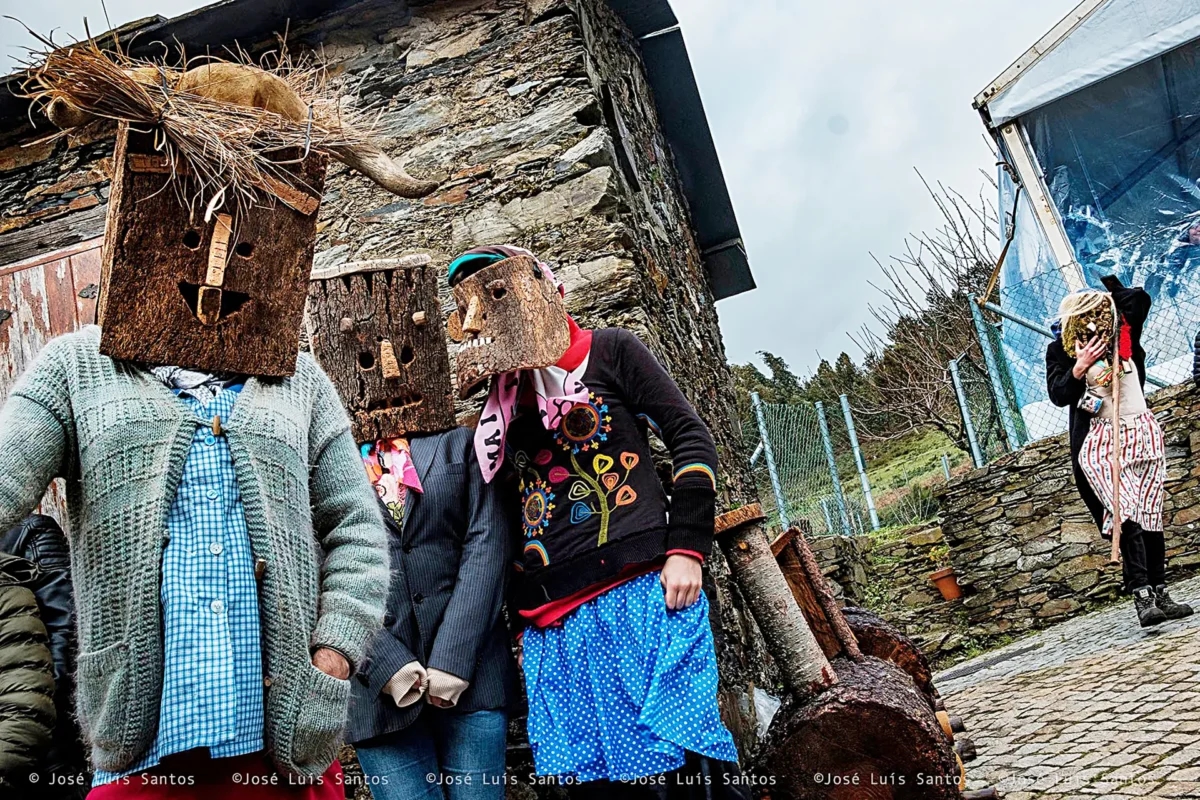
218, 289
510, 316
373, 328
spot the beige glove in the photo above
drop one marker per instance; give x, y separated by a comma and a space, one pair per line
407, 685
444, 688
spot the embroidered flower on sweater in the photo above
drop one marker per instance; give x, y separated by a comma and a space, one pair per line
539, 507
585, 426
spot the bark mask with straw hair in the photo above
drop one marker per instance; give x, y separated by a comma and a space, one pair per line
219, 120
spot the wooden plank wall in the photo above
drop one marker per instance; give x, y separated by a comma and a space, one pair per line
40, 298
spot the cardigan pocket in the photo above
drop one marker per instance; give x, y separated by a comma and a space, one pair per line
320, 723
102, 697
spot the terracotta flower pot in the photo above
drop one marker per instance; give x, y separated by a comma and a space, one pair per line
947, 583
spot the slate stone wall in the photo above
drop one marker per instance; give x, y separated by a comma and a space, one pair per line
1025, 548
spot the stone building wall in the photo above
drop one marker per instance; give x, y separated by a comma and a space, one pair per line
1025, 548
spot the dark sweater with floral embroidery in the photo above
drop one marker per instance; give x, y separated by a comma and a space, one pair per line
591, 501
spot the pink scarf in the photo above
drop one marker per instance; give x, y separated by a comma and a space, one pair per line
557, 391
392, 472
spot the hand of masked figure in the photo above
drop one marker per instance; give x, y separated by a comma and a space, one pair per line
408, 684
1088, 354
680, 579
332, 663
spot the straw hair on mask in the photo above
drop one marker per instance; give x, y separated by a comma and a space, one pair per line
1084, 315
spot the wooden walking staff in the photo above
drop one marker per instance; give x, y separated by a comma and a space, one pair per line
1114, 555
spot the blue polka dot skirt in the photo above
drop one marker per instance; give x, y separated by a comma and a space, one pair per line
624, 687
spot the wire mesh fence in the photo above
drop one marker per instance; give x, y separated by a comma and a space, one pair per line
813, 474
1013, 338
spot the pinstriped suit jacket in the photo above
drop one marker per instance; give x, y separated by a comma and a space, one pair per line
448, 567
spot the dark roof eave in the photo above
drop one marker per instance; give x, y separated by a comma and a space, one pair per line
685, 126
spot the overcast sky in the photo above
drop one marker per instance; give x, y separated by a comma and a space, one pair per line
821, 111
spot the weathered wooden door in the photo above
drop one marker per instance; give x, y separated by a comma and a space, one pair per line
40, 298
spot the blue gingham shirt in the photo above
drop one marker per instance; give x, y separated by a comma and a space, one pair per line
212, 670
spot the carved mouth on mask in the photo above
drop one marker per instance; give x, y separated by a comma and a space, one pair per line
471, 344
396, 403
227, 302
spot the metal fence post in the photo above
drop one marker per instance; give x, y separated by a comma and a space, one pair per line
858, 460
1006, 412
769, 454
946, 465
968, 427
838, 495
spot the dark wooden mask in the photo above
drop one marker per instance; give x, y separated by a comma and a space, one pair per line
226, 295
510, 316
374, 328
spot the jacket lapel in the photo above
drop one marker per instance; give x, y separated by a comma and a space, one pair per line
422, 449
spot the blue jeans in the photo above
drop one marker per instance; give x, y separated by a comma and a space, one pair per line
441, 756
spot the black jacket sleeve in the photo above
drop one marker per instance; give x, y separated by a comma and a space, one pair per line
1133, 304
1196, 360
1061, 384
40, 539
649, 390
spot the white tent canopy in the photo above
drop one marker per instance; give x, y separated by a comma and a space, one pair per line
1098, 39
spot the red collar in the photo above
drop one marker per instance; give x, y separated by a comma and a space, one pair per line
581, 345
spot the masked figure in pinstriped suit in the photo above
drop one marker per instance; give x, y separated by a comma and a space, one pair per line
431, 697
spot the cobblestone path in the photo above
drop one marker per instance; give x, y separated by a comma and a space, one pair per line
1094, 707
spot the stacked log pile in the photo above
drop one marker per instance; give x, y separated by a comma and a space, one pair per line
878, 727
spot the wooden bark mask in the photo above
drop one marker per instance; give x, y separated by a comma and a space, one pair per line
226, 295
373, 328
510, 316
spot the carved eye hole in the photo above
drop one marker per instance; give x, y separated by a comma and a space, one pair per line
244, 249
498, 289
366, 361
191, 240
407, 355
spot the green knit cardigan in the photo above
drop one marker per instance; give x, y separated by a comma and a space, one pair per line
119, 437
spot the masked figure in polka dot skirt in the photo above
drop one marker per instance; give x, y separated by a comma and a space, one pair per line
617, 647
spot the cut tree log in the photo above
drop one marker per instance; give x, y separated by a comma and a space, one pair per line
814, 596
802, 663
873, 736
966, 749
878, 638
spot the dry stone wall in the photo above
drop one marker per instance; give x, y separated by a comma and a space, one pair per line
1025, 548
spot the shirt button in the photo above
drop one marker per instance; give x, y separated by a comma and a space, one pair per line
217, 607
215, 548
408, 548
210, 440
418, 598
212, 494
